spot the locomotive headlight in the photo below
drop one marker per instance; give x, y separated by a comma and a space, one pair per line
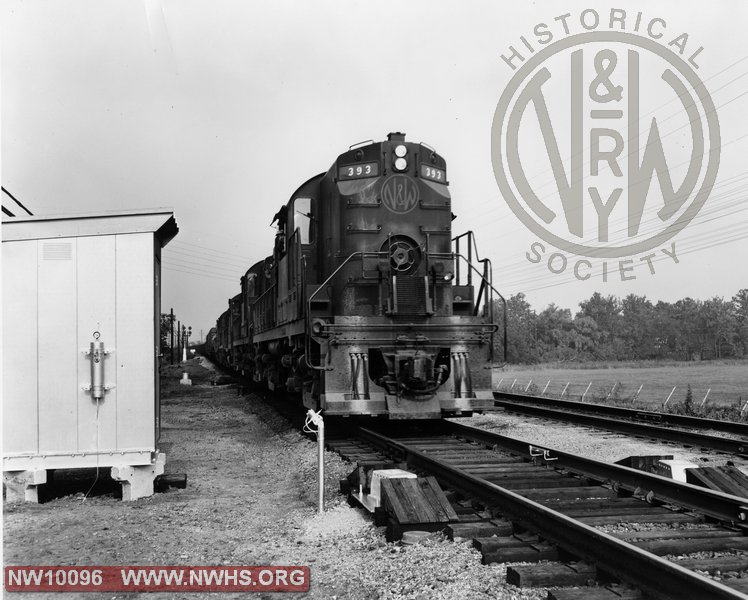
400, 163
400, 150
448, 276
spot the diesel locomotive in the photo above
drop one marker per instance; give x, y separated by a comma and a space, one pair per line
367, 304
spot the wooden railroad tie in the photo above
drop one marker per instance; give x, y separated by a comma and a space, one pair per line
614, 592
516, 548
554, 574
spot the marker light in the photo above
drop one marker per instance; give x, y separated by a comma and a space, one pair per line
448, 276
401, 164
400, 150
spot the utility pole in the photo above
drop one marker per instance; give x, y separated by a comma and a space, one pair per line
185, 341
171, 327
179, 339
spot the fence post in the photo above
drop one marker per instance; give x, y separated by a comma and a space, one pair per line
512, 387
587, 390
528, 386
546, 387
611, 390
705, 397
668, 398
637, 392
564, 390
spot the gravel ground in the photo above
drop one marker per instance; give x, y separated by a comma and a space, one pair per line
585, 441
250, 500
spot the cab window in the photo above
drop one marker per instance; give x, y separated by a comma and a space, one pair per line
302, 218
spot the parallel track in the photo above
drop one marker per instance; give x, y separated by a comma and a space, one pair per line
562, 497
723, 436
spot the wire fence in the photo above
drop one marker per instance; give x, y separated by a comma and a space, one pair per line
634, 390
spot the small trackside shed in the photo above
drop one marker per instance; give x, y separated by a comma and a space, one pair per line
81, 307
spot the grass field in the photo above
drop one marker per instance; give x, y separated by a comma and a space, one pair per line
727, 383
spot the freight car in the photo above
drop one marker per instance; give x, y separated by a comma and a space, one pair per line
366, 305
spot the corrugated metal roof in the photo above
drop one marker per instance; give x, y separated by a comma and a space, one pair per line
159, 221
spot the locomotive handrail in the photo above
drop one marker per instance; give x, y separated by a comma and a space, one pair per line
489, 283
308, 316
261, 302
472, 245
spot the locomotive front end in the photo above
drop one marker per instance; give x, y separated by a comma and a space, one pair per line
394, 332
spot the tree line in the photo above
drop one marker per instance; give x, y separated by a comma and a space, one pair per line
632, 328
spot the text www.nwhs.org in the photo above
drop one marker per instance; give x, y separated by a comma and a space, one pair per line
157, 579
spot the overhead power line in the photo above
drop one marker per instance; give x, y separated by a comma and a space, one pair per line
17, 201
212, 250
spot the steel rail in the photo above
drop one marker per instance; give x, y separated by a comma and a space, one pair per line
715, 442
719, 505
631, 413
655, 576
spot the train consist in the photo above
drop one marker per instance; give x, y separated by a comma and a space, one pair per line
366, 305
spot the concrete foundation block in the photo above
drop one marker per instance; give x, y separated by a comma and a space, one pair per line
137, 481
21, 486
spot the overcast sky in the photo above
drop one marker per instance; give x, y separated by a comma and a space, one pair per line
221, 109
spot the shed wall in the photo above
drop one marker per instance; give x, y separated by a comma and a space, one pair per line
57, 294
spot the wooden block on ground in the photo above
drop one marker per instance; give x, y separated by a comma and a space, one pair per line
551, 575
416, 501
728, 479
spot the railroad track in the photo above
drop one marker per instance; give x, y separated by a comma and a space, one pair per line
548, 505
722, 436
